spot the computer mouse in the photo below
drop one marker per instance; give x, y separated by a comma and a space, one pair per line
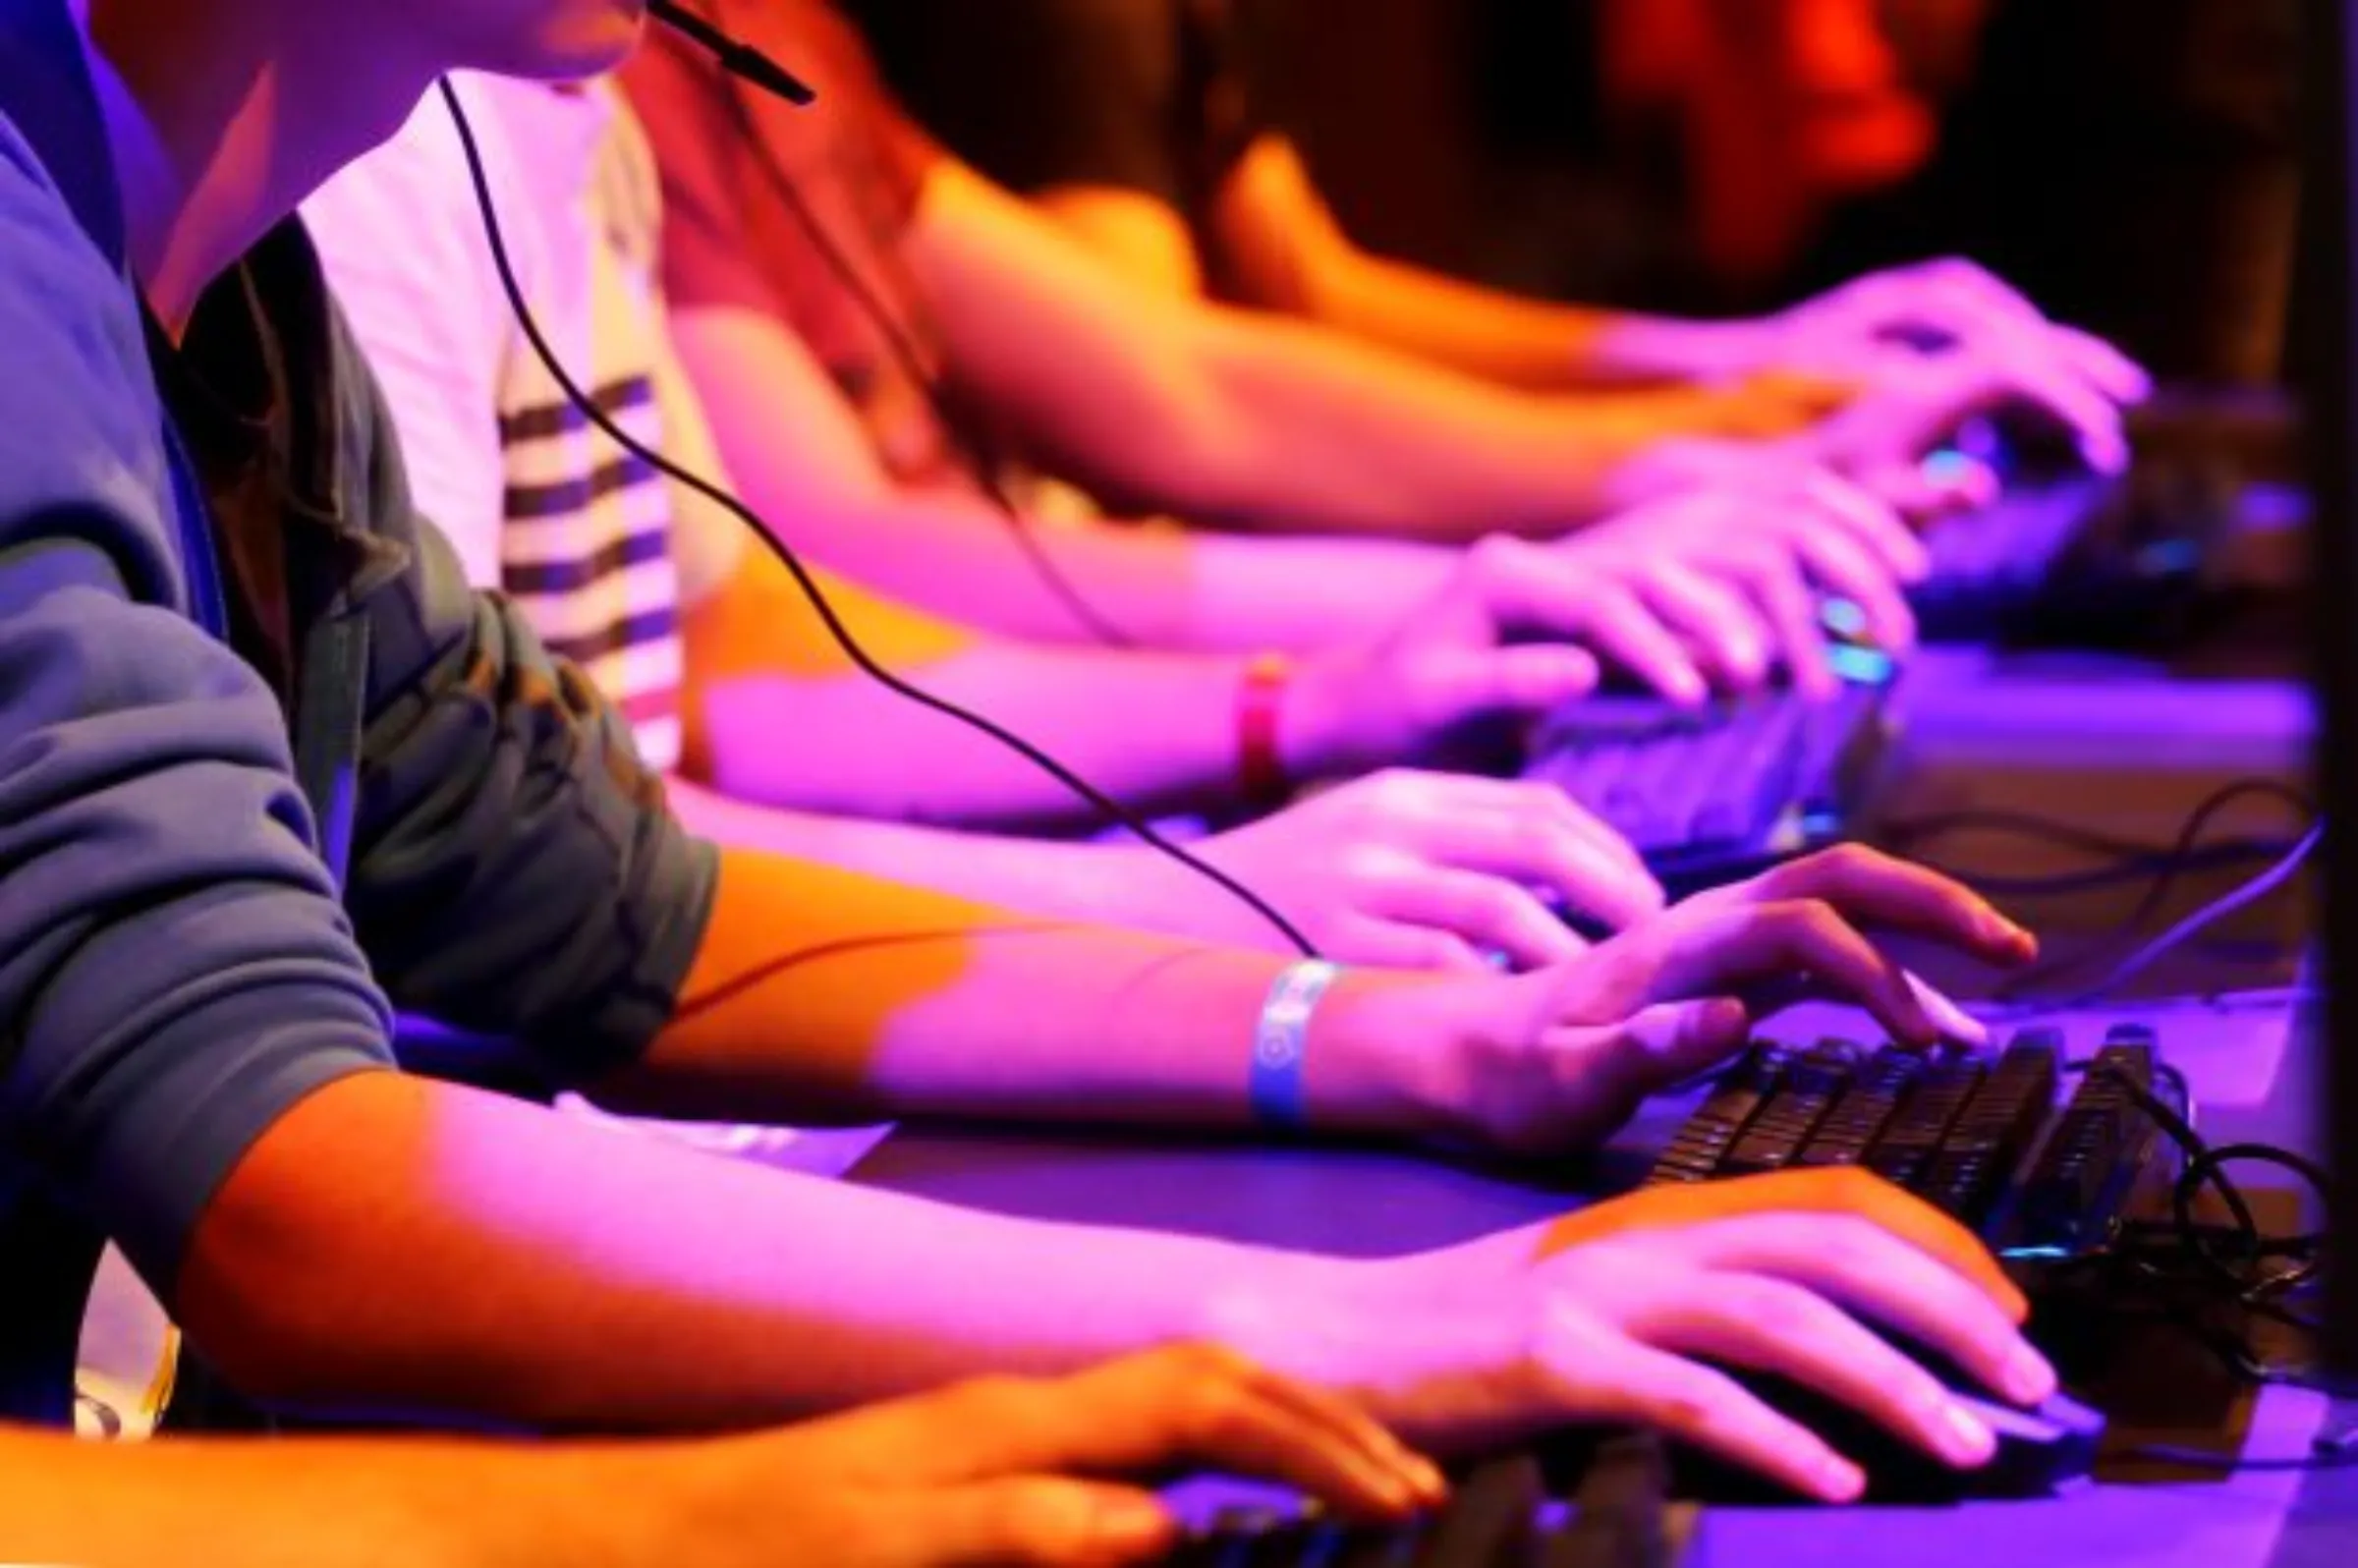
2039, 1450
2014, 446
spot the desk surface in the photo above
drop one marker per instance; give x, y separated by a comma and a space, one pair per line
2241, 1059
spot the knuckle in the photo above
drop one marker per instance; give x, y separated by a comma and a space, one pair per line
1536, 841
1042, 1523
1497, 558
1850, 1243
1214, 1406
1846, 862
1779, 1312
1204, 1362
1368, 868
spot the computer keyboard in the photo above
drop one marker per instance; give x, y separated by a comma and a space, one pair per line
2068, 558
1712, 794
1991, 568
2044, 1158
1500, 1515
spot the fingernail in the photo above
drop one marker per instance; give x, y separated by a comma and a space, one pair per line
2028, 1378
1126, 1527
1838, 1481
1964, 1438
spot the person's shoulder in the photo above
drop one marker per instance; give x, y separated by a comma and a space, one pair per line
77, 356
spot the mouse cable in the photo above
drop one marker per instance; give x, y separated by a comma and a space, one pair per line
842, 634
2327, 1451
2184, 1268
2172, 865
2128, 870
2195, 925
899, 345
1904, 835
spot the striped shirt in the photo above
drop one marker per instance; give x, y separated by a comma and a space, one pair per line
542, 506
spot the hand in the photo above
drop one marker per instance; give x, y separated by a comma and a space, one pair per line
1008, 1474
1888, 324
1458, 660
1776, 535
1614, 1315
1429, 871
1561, 1059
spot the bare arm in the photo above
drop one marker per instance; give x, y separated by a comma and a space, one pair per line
1212, 413
577, 1278
305, 1504
1156, 730
805, 466
580, 1279
1284, 245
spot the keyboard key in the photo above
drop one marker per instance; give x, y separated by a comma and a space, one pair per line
1861, 1115
1726, 783
1806, 1092
1909, 1142
1695, 1154
2073, 1196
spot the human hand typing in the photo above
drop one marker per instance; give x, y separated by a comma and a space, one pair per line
1516, 631
1558, 1059
1885, 324
1432, 870
1775, 534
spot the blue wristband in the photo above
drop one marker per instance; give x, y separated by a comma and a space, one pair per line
1279, 1040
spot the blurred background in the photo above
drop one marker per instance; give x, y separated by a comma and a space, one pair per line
2129, 163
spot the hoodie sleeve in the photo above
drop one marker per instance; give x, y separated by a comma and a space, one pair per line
175, 969
518, 877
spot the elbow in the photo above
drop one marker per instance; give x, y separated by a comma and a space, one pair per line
319, 1327
262, 1327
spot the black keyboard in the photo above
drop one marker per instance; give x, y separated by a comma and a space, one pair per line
2043, 1162
2069, 559
1713, 794
1499, 1516
1994, 567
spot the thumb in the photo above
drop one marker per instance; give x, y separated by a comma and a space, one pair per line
1679, 1040
1934, 489
1529, 680
1036, 1522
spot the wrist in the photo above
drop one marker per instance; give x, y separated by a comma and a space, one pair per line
1665, 348
1421, 1343
1322, 722
1386, 1053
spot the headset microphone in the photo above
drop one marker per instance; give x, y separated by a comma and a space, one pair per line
737, 58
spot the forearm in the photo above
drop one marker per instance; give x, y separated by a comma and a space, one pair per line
1535, 344
1089, 882
1285, 251
1321, 434
1142, 584
303, 1504
961, 559
1122, 883
1170, 407
1155, 731
820, 993
504, 1263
